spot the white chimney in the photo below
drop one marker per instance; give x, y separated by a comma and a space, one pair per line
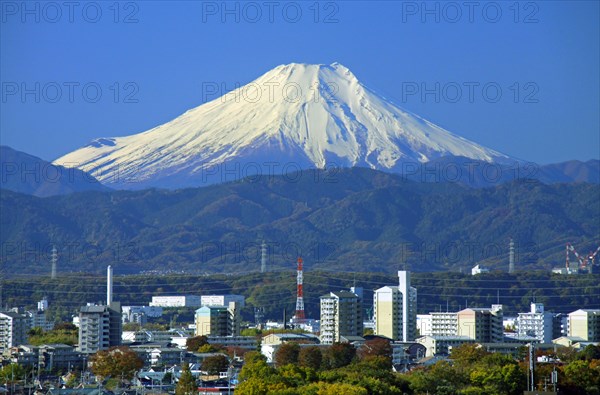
109, 285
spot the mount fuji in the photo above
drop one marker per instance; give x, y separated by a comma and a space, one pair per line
294, 117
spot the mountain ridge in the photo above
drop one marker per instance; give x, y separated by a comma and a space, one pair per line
348, 219
25, 173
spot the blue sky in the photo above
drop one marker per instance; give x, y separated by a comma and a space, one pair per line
522, 78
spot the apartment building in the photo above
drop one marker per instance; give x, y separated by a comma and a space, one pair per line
341, 315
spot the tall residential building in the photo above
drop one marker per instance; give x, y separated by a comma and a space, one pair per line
537, 323
585, 323
409, 306
218, 320
341, 315
485, 325
387, 310
99, 327
13, 330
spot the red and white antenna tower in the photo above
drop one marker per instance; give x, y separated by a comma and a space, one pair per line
300, 317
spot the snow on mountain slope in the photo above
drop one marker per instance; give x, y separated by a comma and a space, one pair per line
294, 116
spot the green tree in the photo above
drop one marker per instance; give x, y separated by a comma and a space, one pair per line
287, 353
194, 343
310, 357
590, 352
10, 372
186, 384
207, 348
465, 355
215, 364
116, 362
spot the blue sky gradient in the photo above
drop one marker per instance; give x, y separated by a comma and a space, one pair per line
544, 57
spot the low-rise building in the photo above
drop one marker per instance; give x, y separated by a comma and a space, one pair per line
244, 342
176, 301
222, 300
442, 345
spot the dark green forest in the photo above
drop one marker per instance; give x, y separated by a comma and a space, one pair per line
338, 220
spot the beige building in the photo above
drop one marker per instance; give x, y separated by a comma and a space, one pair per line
387, 309
218, 320
341, 315
481, 324
585, 323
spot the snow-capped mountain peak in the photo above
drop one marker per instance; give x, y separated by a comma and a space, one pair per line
302, 115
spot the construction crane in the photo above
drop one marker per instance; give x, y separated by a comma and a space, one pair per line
586, 262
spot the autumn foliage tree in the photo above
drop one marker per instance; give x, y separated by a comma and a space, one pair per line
286, 354
339, 355
194, 343
215, 364
310, 357
377, 347
116, 362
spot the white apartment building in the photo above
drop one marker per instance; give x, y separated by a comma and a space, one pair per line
444, 324
409, 307
536, 323
176, 301
222, 300
424, 323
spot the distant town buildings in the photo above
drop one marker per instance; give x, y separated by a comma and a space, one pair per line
176, 301
37, 319
140, 314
